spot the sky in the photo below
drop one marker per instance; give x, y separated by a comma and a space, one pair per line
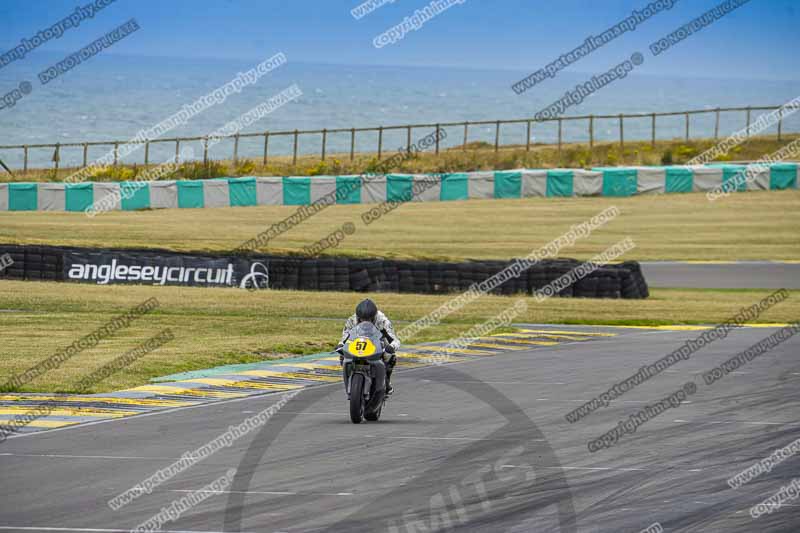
758, 40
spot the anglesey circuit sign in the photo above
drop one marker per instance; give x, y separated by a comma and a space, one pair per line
145, 268
258, 278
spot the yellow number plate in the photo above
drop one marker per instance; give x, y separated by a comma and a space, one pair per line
361, 347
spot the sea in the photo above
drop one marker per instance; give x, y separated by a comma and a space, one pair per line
112, 97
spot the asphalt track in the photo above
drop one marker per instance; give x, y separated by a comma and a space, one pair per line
723, 274
481, 445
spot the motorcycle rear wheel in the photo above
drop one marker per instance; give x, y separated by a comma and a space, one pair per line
356, 398
374, 415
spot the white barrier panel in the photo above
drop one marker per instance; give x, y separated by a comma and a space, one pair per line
269, 191
216, 193
706, 178
373, 190
322, 187
163, 194
758, 180
52, 196
534, 183
481, 185
423, 191
651, 180
108, 196
587, 183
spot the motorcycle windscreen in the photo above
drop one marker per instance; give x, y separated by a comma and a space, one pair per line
364, 341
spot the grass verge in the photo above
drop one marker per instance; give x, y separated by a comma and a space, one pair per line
476, 156
225, 326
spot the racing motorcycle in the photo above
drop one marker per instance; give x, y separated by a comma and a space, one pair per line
364, 372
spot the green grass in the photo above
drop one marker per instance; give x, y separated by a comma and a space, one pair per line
478, 156
227, 326
752, 225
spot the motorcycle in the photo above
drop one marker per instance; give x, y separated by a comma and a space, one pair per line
364, 372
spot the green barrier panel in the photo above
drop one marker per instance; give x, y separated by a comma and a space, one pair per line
296, 191
783, 176
190, 194
455, 187
508, 184
135, 195
242, 192
78, 196
728, 174
678, 180
619, 181
560, 183
348, 190
23, 197
399, 188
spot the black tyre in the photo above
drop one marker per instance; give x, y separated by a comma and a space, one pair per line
374, 414
359, 280
356, 398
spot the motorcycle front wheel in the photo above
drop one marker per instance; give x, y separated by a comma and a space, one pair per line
356, 398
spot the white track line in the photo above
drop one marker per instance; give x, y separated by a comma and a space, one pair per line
449, 438
681, 421
615, 469
96, 530
112, 457
275, 493
494, 382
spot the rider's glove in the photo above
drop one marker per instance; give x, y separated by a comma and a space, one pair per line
340, 350
389, 349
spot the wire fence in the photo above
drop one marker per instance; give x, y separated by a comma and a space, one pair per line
321, 137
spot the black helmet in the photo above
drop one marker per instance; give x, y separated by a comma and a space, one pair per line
366, 311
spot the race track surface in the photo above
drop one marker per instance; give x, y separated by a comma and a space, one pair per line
723, 274
480, 445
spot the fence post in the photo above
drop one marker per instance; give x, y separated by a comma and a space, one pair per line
464, 146
559, 139
780, 124
621, 133
146, 152
294, 150
408, 139
437, 139
380, 142
266, 146
748, 122
716, 126
57, 157
528, 138
177, 150
352, 143
324, 140
235, 149
205, 150
116, 153
591, 132
687, 127
653, 130
85, 154
25, 158
496, 136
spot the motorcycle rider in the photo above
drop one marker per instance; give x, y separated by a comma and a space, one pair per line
367, 311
